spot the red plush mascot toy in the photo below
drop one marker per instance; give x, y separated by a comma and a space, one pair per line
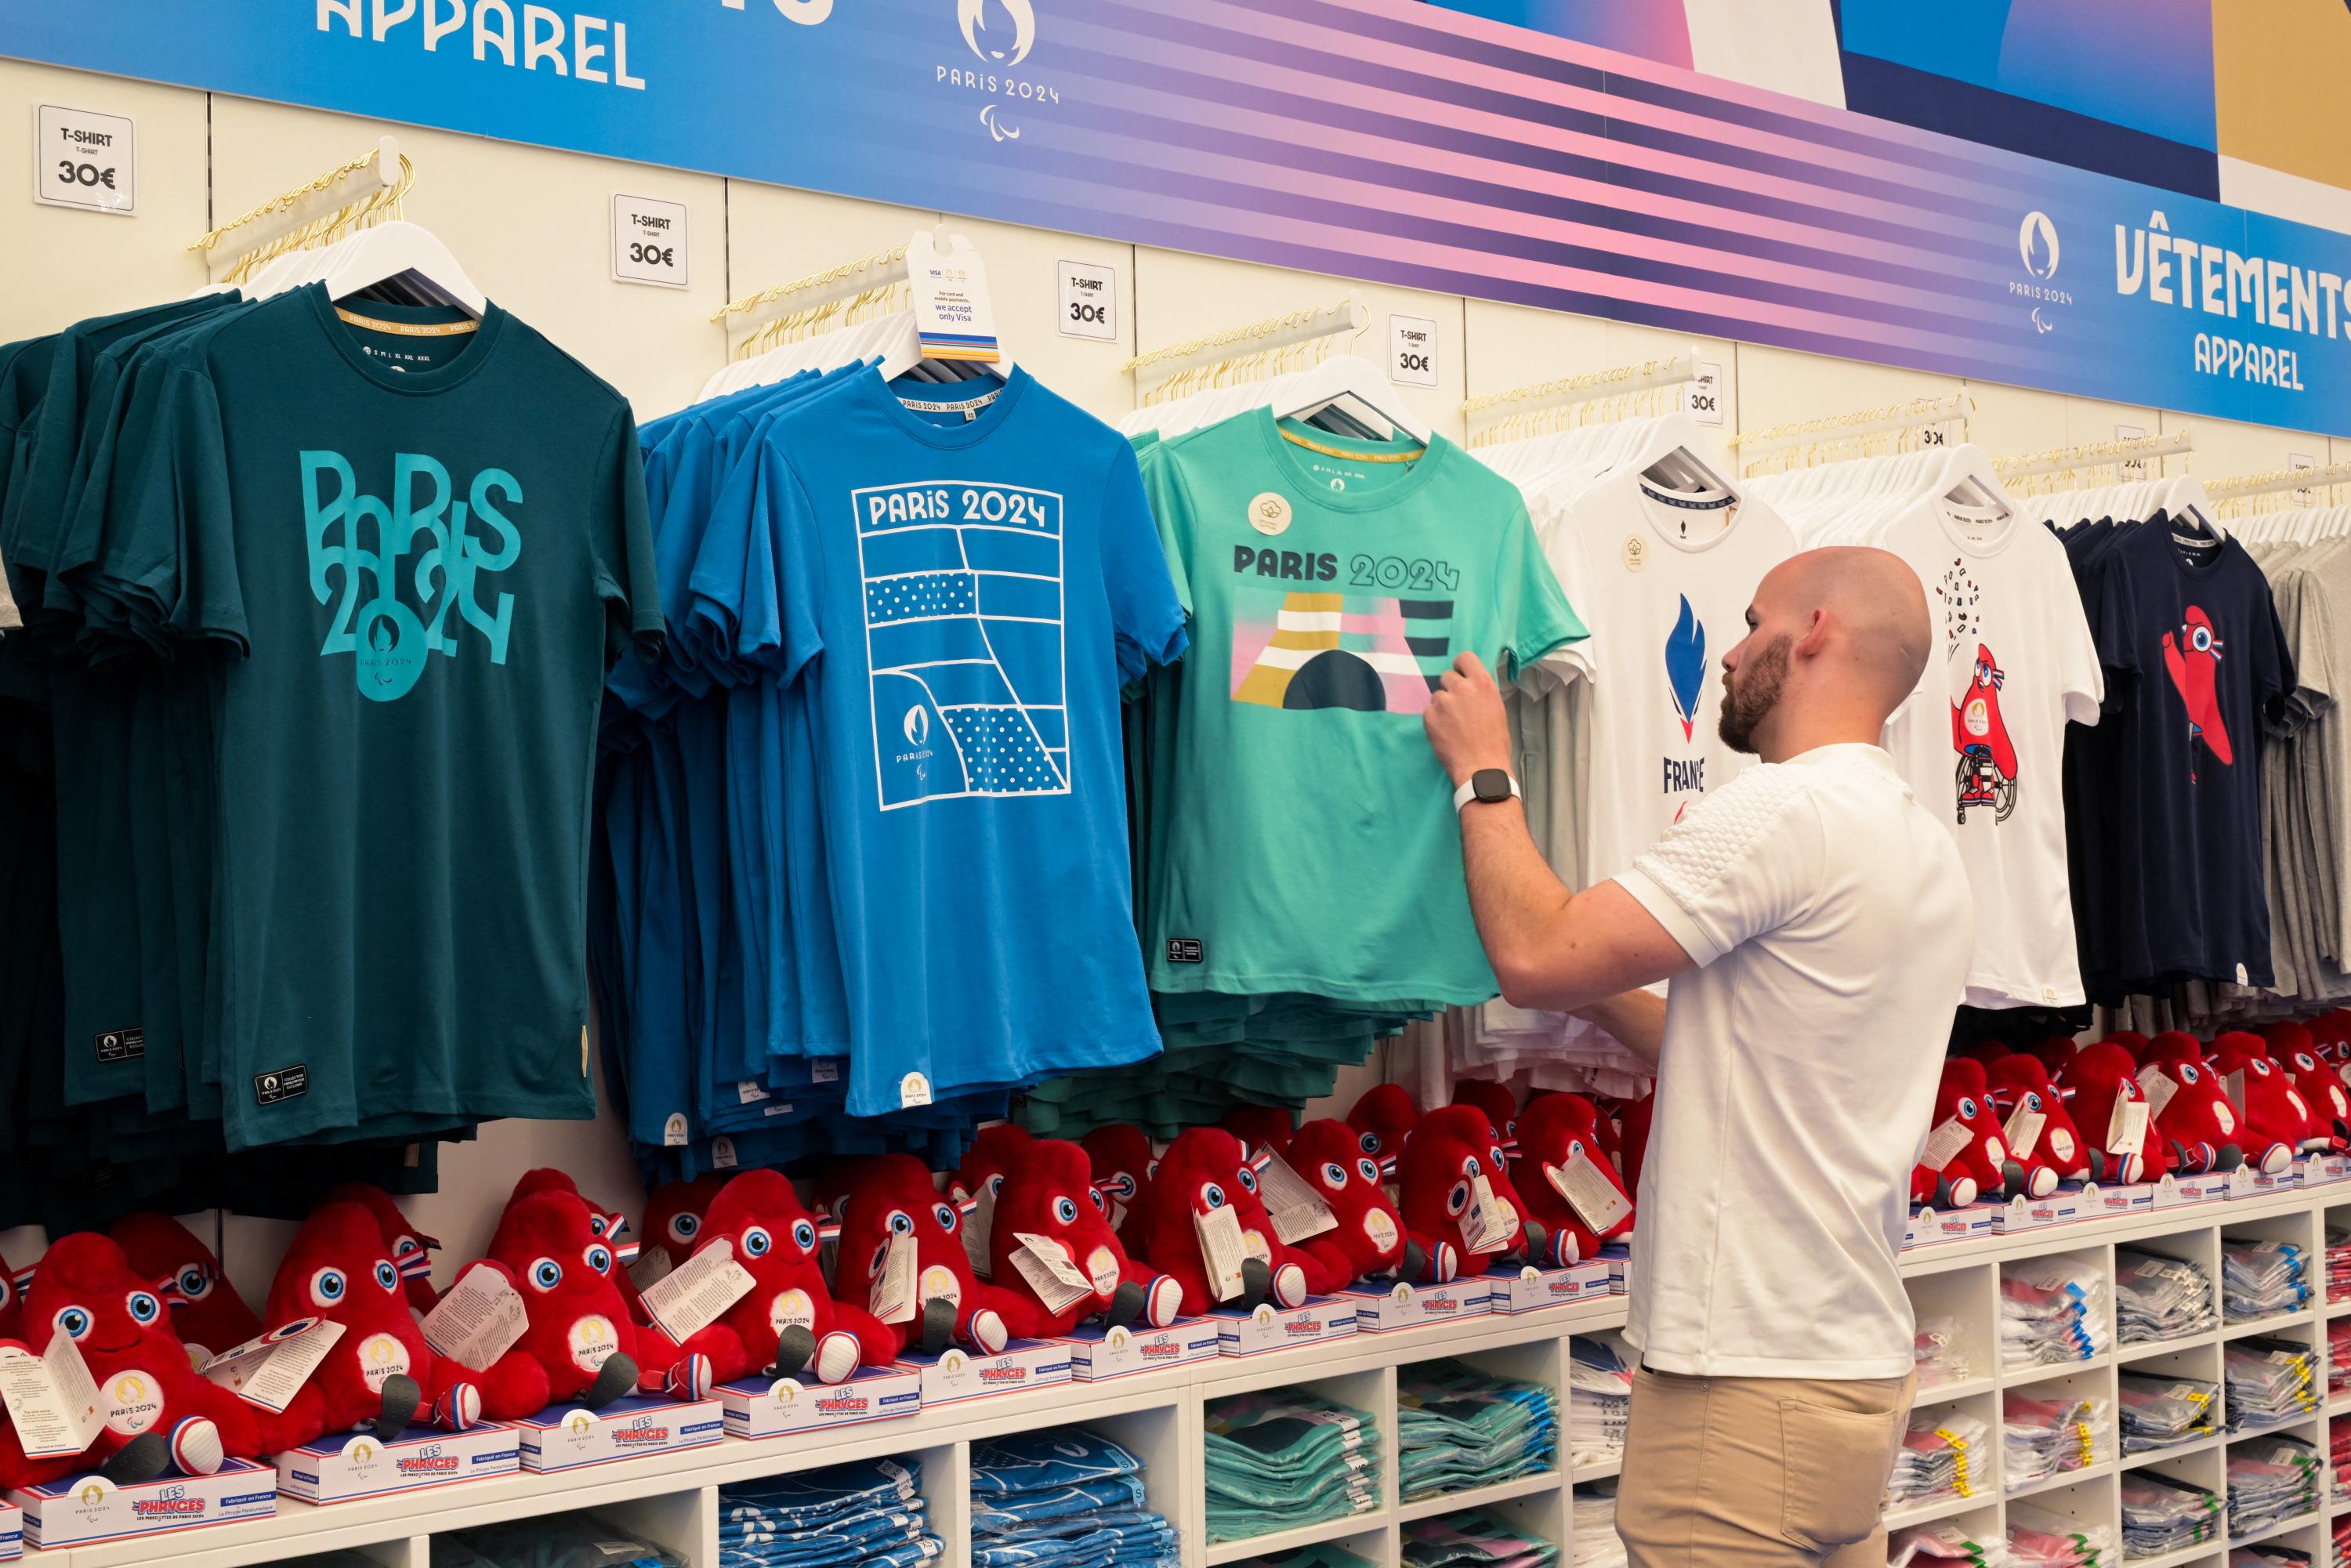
2099, 1077
891, 1203
1369, 1238
412, 1249
1122, 1163
2292, 1047
1552, 1132
2279, 1123
1260, 1127
1449, 1153
158, 1412
380, 1371
1202, 1172
2199, 1126
1501, 1106
1382, 1119
788, 1320
675, 1212
2020, 1083
207, 1314
1050, 1195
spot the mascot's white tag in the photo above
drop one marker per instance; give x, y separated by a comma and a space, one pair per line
652, 1267
2157, 1085
477, 1320
1592, 1194
2236, 1087
382, 1357
2023, 1131
269, 1370
1488, 1225
1380, 1226
1046, 1265
978, 1227
892, 1296
691, 1298
1221, 1248
51, 1398
1296, 1209
1945, 1143
2126, 1128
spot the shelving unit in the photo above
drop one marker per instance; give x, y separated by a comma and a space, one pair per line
674, 1498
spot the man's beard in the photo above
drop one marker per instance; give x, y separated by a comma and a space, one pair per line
1747, 700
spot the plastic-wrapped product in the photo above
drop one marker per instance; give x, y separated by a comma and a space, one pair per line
1938, 1355
1594, 1526
2038, 1538
1475, 1538
2262, 1280
1283, 1459
2161, 1515
2271, 1481
1943, 1455
2269, 1381
2052, 1309
2158, 1298
1457, 1427
2165, 1412
868, 1514
2043, 1436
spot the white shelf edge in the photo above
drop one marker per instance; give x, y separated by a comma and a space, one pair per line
1478, 1497
1304, 1535
2063, 1478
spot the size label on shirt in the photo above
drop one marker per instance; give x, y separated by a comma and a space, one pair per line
84, 159
1412, 351
478, 1319
121, 1044
1089, 296
1592, 1194
649, 242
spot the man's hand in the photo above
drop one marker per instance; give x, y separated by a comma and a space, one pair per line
1466, 727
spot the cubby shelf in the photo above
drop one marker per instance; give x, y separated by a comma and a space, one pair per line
674, 1498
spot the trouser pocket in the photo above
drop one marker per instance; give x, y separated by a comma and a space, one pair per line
1836, 1463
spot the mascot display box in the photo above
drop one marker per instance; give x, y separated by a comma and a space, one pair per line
82, 1509
344, 1468
777, 1407
1525, 1289
1100, 1351
1254, 1331
628, 1429
1404, 1305
12, 1532
957, 1373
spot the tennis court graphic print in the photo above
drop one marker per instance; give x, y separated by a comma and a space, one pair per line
1352, 651
963, 640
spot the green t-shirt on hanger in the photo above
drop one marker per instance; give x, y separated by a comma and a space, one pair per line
1307, 832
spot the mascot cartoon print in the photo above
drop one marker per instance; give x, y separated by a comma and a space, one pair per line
2192, 656
1987, 770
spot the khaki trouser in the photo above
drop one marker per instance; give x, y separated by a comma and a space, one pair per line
1759, 1472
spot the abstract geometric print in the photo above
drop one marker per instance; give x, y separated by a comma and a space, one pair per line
963, 640
1339, 650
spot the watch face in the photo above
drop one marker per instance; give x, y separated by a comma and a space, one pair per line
1490, 784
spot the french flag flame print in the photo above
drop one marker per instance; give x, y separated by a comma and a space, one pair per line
1685, 666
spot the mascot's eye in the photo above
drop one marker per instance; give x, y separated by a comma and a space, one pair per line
2200, 639
1966, 1108
327, 1286
757, 1243
597, 1225
1335, 1175
546, 1274
2031, 1101
144, 1308
7, 1294
1120, 1185
194, 1283
1247, 1177
1368, 1171
1101, 1204
75, 1320
1369, 1142
599, 1258
948, 1216
1510, 1128
1574, 1148
803, 1236
1458, 1199
1212, 1195
405, 1246
1470, 1165
1496, 1156
1065, 1209
996, 1183
900, 1223
2186, 1073
387, 1276
683, 1226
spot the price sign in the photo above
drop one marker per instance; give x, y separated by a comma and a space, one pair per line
1089, 296
649, 242
1703, 397
1412, 351
83, 159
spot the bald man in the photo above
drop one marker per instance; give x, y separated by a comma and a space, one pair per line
1815, 920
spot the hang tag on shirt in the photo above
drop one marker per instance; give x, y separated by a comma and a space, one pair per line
701, 1289
913, 1090
1592, 1194
1045, 1264
1221, 1248
2023, 1131
1945, 1143
978, 1227
2126, 1128
2157, 1085
892, 1296
270, 1371
477, 1320
1296, 1209
1488, 1226
51, 1398
750, 1091
652, 1267
825, 1070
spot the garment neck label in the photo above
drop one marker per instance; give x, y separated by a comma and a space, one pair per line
270, 1371
480, 1319
1296, 1209
2023, 1131
1221, 1248
2157, 1085
1592, 1194
1045, 1264
51, 1398
1945, 1143
701, 1289
890, 1297
2126, 1128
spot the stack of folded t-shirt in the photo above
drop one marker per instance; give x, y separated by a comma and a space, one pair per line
2268, 1554
1065, 1499
1475, 1538
2338, 1266
565, 1541
2043, 1436
1591, 1526
1458, 1428
2161, 1515
1943, 1455
2165, 1412
1599, 1400
2158, 1298
867, 1514
2262, 1280
2339, 1456
1284, 1459
2040, 1539
2338, 1355
1928, 1545
2269, 1381
2271, 1481
2052, 1309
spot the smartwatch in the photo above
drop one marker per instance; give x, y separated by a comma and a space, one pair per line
1487, 784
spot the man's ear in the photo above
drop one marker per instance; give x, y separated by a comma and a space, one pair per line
1816, 637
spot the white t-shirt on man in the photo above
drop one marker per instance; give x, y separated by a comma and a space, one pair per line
1829, 917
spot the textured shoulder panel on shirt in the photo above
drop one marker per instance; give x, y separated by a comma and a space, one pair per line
1722, 830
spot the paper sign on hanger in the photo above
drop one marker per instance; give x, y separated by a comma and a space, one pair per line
1592, 1194
892, 1297
1089, 300
477, 1320
86, 160
269, 1371
1222, 1249
2126, 1128
649, 241
703, 1288
1045, 1264
2023, 1131
1296, 1209
951, 308
1412, 351
1943, 1143
2157, 1085
51, 1398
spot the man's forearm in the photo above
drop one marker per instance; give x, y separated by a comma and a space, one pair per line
1636, 1019
1519, 904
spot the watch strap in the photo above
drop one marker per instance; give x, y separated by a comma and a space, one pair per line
1468, 790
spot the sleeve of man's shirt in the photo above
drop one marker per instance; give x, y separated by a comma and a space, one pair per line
1742, 862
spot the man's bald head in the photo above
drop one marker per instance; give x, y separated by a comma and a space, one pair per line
1837, 641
